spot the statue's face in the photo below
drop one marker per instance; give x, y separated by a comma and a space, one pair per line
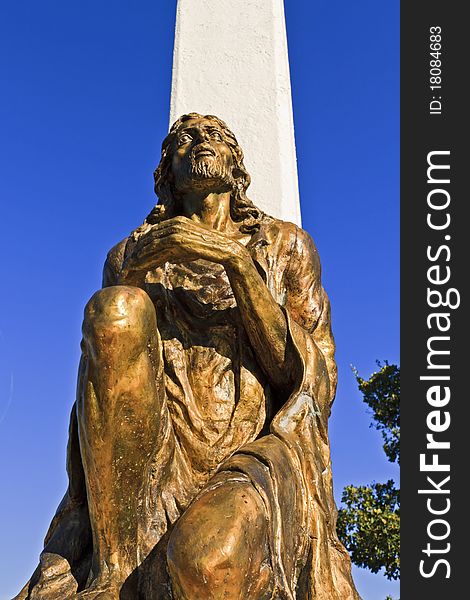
201, 157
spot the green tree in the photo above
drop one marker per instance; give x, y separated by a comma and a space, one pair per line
369, 521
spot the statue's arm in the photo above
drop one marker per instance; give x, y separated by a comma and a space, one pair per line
264, 319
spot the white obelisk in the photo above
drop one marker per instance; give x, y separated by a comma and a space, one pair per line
230, 60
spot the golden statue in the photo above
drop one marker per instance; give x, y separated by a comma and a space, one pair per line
198, 454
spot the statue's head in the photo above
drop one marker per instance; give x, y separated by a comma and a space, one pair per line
201, 153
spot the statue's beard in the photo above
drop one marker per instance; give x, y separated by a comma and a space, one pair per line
206, 173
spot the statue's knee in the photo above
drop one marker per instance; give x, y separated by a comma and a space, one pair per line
220, 541
116, 312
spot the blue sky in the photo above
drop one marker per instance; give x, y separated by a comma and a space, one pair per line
84, 102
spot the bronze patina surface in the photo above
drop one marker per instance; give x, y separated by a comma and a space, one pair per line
198, 455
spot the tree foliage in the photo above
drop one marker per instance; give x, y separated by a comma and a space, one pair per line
369, 526
369, 521
382, 394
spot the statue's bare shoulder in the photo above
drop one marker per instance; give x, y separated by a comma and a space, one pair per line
295, 243
113, 264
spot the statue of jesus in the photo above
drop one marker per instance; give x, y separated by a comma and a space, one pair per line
198, 455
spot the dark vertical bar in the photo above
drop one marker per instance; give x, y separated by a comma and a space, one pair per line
440, 127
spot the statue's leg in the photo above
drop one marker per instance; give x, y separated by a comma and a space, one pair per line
118, 421
219, 547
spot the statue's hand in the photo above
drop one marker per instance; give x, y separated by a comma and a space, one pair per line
182, 240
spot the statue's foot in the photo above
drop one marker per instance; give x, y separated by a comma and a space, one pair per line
56, 581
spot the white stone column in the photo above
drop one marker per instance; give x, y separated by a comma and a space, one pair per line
230, 59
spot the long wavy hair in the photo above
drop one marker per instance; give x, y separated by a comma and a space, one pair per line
242, 209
